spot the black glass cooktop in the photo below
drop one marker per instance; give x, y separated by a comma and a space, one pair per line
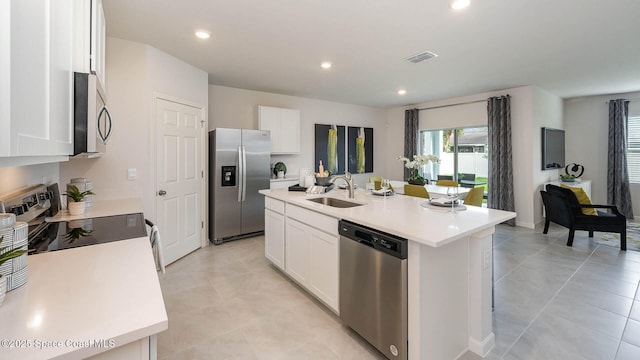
83, 232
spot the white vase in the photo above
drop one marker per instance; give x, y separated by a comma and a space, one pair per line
3, 288
76, 208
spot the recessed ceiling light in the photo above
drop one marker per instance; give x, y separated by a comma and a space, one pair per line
326, 65
459, 4
202, 34
402, 92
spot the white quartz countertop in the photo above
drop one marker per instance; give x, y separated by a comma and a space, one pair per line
102, 208
74, 297
401, 215
286, 178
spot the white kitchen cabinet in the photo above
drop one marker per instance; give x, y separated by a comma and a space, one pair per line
90, 38
136, 350
284, 125
297, 251
312, 253
324, 263
37, 87
274, 232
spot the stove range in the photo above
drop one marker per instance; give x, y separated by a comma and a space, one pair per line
33, 204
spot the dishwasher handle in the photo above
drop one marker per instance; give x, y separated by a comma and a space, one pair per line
387, 243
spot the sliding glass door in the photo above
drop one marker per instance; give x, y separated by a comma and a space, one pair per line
463, 154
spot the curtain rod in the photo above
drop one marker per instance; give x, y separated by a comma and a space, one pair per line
608, 101
462, 103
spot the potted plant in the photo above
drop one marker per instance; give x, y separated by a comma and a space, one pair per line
6, 255
416, 165
77, 206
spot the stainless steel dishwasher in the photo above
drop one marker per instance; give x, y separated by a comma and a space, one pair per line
373, 287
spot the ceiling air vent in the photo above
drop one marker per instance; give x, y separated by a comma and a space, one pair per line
426, 55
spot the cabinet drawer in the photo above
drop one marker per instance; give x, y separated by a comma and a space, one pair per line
321, 222
274, 205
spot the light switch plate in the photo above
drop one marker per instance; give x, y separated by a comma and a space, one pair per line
131, 174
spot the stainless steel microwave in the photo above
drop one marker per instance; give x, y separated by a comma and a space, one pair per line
92, 120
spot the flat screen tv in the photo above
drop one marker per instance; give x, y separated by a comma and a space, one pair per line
552, 148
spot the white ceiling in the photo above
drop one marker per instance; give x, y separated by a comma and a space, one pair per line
567, 47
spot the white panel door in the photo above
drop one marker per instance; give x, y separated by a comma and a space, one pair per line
178, 177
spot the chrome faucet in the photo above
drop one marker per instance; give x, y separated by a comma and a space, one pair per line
348, 178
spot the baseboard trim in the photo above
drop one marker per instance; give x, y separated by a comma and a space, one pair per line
482, 348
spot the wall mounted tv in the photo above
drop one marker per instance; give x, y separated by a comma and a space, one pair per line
552, 148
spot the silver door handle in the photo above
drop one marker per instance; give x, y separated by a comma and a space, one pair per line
162, 193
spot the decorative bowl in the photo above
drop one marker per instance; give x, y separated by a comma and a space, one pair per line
323, 181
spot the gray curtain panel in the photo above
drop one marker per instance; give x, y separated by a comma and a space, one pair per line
500, 194
410, 136
618, 193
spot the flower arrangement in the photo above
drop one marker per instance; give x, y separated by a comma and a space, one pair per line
416, 164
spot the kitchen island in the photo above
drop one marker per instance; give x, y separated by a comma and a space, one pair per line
449, 261
101, 300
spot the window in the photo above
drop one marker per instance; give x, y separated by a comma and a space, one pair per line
633, 149
461, 151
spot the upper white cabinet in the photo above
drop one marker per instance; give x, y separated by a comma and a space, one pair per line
90, 38
284, 125
36, 93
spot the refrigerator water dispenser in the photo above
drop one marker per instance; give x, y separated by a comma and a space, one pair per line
228, 176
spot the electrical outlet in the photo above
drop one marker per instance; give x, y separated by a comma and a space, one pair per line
486, 259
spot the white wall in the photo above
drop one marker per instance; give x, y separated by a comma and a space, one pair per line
135, 72
526, 119
14, 178
238, 108
547, 112
586, 122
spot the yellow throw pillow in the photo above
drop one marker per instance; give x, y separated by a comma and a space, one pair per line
583, 199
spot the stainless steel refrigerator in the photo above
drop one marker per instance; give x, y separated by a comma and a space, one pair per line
238, 168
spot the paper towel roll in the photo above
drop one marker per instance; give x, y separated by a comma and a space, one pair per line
309, 181
304, 172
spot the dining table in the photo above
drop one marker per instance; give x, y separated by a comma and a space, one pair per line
435, 191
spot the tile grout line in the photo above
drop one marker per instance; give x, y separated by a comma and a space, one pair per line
633, 303
550, 300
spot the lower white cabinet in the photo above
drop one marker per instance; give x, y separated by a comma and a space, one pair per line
312, 254
323, 263
304, 244
143, 349
297, 251
274, 231
274, 237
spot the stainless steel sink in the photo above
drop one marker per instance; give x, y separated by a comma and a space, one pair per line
329, 201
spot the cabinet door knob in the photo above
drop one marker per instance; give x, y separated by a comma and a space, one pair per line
162, 193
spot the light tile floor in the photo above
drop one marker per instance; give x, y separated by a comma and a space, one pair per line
552, 302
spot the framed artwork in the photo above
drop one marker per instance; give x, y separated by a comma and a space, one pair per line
360, 150
330, 148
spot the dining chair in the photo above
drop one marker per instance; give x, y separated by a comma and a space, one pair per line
416, 190
445, 182
156, 245
474, 196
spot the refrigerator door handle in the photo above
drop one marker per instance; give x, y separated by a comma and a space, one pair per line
244, 173
240, 173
